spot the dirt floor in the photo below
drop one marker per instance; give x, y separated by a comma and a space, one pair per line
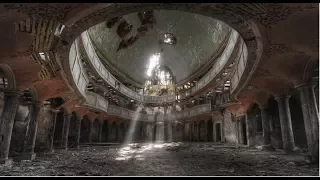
168, 159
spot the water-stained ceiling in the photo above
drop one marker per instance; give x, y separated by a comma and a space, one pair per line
197, 40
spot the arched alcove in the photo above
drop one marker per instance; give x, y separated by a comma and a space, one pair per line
210, 130
114, 132
202, 131
73, 127
105, 131
95, 130
58, 132
84, 132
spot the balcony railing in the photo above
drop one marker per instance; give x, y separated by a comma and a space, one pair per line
112, 81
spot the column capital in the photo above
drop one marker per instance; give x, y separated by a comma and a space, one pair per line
282, 97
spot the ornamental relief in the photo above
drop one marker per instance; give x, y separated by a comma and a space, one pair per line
45, 11
278, 12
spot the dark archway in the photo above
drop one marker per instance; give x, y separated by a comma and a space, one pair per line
72, 136
114, 133
202, 131
297, 120
178, 132
95, 130
196, 132
210, 130
218, 132
154, 134
84, 133
58, 131
105, 131
122, 132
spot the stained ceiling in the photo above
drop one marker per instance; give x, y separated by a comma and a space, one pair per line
198, 39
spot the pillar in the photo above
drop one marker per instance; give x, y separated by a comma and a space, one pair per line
65, 132
11, 103
265, 125
311, 119
90, 131
78, 132
100, 132
51, 127
285, 121
30, 136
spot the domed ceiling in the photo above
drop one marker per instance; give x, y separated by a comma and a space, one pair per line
129, 47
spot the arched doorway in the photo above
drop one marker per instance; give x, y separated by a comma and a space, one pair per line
58, 131
95, 130
72, 136
196, 132
105, 131
210, 130
122, 132
114, 133
84, 133
154, 134
178, 132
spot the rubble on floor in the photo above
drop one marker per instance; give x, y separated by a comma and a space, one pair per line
165, 159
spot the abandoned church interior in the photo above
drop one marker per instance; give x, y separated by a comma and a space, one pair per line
159, 89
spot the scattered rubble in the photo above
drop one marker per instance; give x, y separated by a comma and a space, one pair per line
168, 159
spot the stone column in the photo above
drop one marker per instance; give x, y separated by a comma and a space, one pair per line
90, 131
31, 132
78, 132
285, 121
100, 132
11, 103
265, 125
311, 119
65, 132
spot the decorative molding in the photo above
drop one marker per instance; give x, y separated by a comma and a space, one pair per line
278, 11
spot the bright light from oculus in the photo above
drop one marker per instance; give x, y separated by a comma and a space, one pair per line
170, 39
154, 60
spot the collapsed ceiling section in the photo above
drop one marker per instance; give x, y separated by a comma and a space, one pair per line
186, 42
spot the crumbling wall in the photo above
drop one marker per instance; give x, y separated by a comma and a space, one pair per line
19, 130
44, 122
254, 115
229, 127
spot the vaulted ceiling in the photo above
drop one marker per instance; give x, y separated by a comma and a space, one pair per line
198, 40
